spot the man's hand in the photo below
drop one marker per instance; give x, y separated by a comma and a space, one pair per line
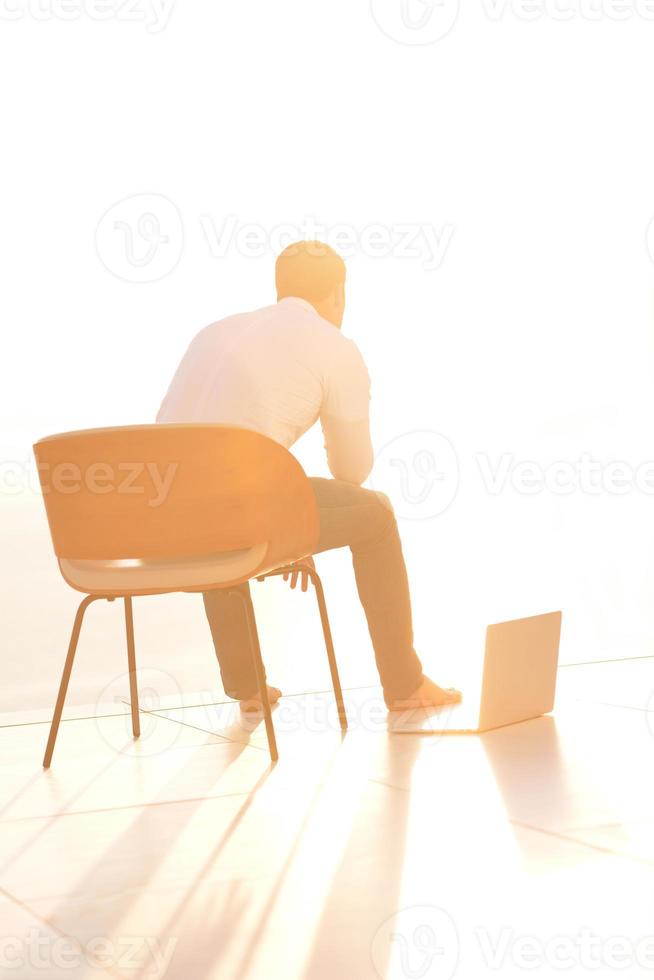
300, 568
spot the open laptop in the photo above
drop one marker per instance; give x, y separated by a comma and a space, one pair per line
519, 682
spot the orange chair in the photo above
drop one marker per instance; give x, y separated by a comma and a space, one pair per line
149, 509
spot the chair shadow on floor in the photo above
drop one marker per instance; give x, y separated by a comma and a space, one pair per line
122, 874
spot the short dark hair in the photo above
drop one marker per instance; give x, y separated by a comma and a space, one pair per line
309, 270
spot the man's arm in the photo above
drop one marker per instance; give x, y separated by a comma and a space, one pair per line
344, 417
348, 447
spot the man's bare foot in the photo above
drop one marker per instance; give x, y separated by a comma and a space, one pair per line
254, 704
428, 695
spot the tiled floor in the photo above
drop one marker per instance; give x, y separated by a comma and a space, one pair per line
527, 851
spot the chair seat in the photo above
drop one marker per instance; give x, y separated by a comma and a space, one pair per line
136, 576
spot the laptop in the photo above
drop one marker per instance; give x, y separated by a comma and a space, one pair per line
519, 682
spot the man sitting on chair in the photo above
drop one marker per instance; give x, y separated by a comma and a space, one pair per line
278, 370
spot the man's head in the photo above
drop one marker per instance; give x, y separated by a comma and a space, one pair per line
314, 272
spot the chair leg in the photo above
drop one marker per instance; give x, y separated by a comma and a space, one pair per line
331, 656
246, 599
65, 677
131, 661
327, 633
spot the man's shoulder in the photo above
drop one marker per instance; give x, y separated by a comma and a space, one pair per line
218, 330
345, 351
335, 348
234, 319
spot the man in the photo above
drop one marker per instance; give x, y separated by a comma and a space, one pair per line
278, 370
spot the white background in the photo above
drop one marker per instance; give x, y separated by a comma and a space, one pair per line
526, 141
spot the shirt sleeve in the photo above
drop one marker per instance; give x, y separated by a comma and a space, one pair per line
345, 417
347, 389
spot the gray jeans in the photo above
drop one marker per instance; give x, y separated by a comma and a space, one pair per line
362, 521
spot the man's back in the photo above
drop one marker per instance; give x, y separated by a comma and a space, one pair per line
276, 370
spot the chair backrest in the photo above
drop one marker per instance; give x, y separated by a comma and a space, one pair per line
165, 491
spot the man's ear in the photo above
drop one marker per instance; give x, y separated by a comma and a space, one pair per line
336, 299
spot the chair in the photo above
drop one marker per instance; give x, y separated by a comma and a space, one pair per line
150, 509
